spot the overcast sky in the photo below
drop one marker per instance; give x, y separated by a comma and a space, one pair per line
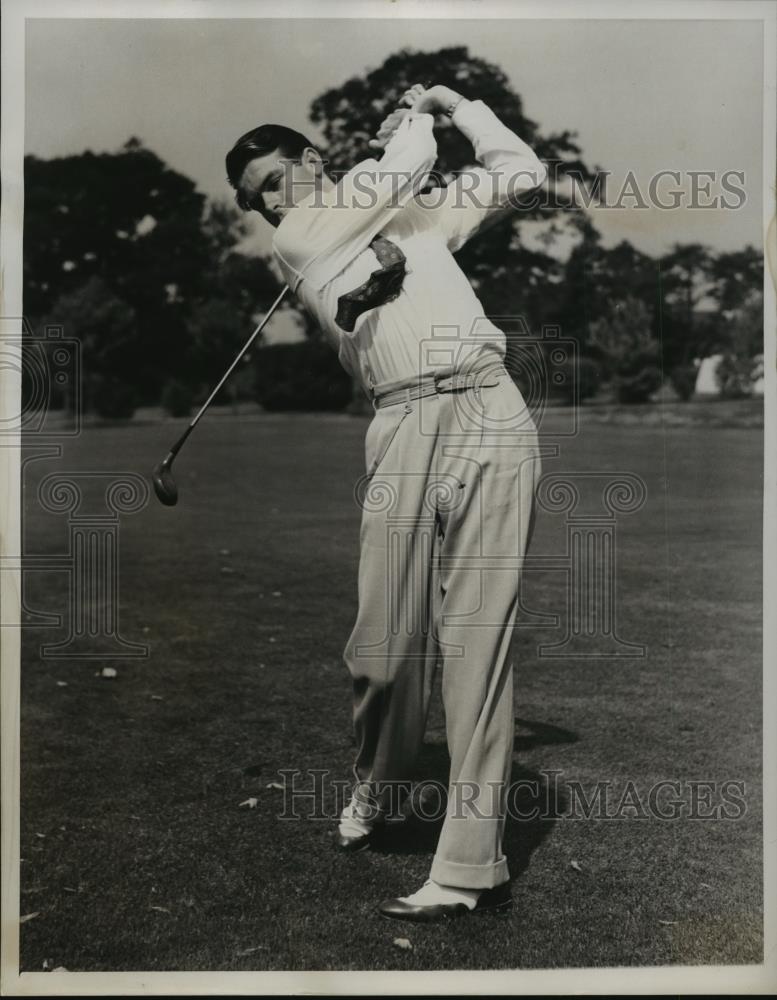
642, 95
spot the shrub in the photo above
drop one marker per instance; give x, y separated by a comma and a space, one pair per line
638, 388
579, 380
683, 379
734, 376
301, 376
623, 342
177, 398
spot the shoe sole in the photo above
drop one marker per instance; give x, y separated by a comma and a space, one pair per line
356, 849
353, 850
501, 909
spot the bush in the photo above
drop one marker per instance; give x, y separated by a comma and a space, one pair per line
578, 381
683, 379
734, 376
112, 398
638, 388
302, 376
623, 343
177, 398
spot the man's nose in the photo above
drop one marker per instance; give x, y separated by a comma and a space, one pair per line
274, 201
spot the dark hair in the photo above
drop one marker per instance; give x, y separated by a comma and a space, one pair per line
260, 142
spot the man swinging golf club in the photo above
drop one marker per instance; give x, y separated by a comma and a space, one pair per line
452, 461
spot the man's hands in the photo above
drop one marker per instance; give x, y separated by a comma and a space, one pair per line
433, 101
388, 127
417, 98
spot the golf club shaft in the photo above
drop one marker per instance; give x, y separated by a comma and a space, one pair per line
178, 444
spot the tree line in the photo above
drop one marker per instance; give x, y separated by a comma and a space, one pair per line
125, 254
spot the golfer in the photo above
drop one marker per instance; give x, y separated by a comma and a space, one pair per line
452, 460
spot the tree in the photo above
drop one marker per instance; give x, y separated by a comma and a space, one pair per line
106, 327
737, 278
686, 332
156, 245
235, 290
745, 327
624, 342
125, 217
742, 361
595, 277
349, 115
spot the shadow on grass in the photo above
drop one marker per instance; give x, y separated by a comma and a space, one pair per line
533, 805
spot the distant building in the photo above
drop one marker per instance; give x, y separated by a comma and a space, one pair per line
705, 379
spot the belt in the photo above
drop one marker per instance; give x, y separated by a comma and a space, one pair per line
440, 382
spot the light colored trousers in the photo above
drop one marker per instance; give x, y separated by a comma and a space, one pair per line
448, 508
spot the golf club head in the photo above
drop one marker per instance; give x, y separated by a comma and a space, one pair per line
164, 484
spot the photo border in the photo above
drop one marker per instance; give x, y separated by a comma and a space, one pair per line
586, 981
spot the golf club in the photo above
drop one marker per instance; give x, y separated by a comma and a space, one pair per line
162, 476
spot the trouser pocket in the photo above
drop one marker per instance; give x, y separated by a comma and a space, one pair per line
380, 434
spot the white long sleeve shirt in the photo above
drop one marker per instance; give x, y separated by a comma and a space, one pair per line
436, 323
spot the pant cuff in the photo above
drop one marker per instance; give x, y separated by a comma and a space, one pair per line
461, 876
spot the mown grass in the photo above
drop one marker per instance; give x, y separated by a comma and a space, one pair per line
137, 854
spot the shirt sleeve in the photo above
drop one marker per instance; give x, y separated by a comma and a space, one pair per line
324, 233
482, 195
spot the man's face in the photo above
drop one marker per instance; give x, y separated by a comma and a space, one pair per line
273, 185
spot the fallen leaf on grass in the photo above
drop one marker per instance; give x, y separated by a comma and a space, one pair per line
705, 885
250, 951
275, 784
68, 888
403, 943
575, 865
667, 923
29, 916
159, 909
41, 835
249, 804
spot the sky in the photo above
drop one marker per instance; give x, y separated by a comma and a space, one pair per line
642, 95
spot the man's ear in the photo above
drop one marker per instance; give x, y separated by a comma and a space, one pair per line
310, 157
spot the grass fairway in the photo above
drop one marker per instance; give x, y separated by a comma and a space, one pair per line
137, 854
